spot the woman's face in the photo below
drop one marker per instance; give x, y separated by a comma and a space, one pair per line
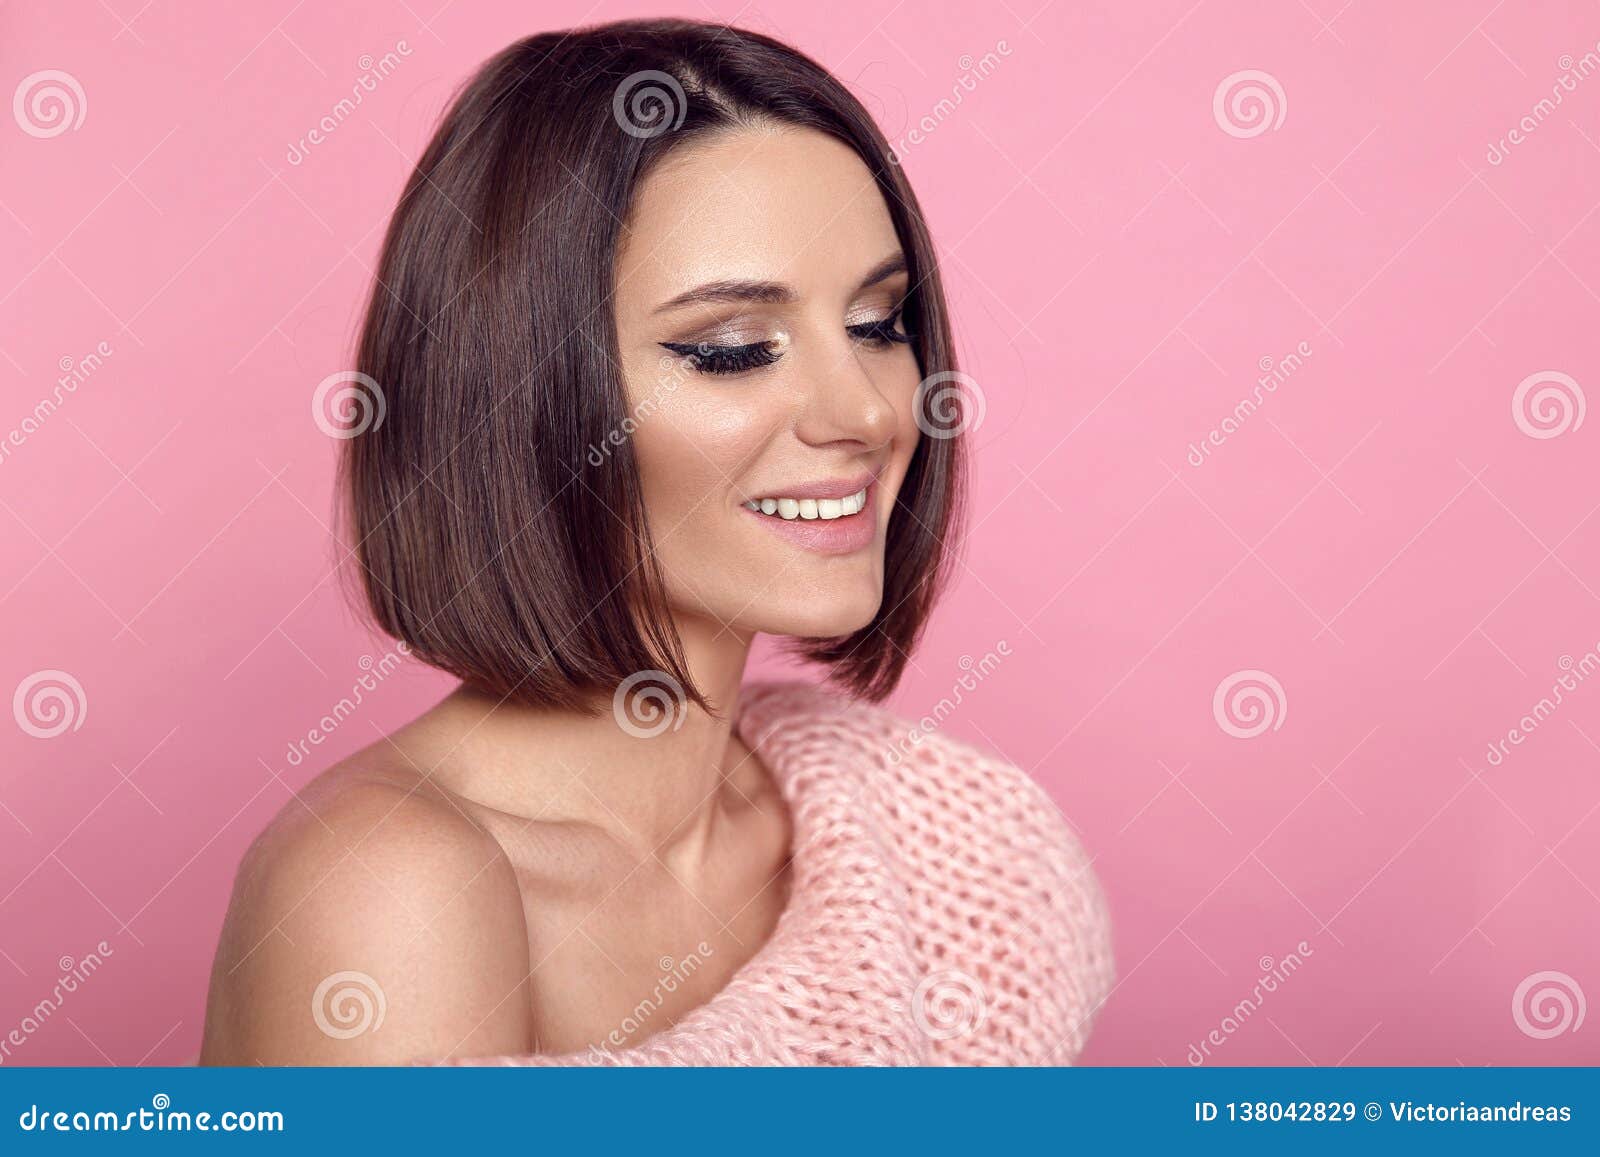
786, 382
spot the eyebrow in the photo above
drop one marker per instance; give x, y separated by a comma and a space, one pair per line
771, 292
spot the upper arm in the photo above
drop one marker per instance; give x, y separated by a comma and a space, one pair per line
1036, 943
1068, 898
382, 929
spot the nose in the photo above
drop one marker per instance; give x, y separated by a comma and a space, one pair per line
843, 403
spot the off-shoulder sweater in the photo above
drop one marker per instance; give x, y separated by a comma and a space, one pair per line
941, 911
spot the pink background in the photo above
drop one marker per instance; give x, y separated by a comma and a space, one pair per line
1383, 537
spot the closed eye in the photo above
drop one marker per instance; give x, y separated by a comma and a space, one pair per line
883, 333
708, 358
726, 359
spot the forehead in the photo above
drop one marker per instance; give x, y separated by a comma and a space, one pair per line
786, 204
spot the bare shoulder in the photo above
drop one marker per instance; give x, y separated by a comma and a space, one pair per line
373, 921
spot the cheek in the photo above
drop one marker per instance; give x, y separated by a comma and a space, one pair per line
902, 392
693, 449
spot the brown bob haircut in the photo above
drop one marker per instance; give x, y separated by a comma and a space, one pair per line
485, 538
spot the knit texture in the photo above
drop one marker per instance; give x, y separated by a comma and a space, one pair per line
941, 911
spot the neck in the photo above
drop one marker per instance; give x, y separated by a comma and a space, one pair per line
650, 770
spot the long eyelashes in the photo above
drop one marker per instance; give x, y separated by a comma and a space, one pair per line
882, 333
737, 359
726, 359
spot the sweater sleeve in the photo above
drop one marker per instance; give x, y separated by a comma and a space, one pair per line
1016, 950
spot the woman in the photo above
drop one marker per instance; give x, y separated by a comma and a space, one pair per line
657, 360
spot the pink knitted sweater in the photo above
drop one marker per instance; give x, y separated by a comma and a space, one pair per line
941, 911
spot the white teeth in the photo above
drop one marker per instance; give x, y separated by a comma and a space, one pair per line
826, 509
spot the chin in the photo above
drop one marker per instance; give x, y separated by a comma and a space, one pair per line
819, 615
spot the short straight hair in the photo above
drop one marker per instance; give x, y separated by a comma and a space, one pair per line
485, 538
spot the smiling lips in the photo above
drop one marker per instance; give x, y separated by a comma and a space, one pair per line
826, 518
826, 509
